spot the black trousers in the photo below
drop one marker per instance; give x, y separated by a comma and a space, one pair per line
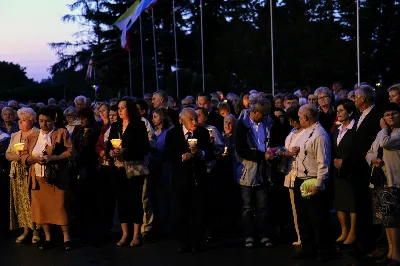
189, 215
105, 199
313, 218
363, 201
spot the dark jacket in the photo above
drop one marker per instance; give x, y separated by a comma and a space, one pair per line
364, 137
134, 140
216, 120
194, 171
344, 151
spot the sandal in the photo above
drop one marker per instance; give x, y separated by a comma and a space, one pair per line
249, 243
35, 239
21, 239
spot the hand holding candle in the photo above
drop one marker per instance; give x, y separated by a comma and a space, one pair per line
116, 143
19, 146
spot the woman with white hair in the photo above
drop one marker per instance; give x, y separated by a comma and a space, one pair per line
8, 126
71, 115
20, 202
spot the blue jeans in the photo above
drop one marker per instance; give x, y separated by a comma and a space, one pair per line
254, 199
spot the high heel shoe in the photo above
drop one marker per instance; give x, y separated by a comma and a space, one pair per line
297, 244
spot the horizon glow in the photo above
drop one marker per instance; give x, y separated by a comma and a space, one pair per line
27, 29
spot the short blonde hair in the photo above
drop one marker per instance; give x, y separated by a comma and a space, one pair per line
27, 113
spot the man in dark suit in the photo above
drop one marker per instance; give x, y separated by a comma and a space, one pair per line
160, 100
189, 172
367, 127
213, 119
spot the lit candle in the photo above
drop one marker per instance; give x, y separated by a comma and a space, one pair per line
19, 146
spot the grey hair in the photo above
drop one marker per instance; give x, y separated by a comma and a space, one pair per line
253, 99
28, 112
80, 98
324, 90
232, 117
394, 87
12, 103
163, 95
185, 111
312, 110
5, 109
368, 93
190, 98
351, 94
262, 106
70, 111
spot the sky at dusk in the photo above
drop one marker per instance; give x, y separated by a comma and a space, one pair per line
26, 29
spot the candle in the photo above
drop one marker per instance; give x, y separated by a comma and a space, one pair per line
192, 142
226, 150
19, 146
116, 143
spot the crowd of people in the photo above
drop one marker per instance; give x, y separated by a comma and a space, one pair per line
207, 166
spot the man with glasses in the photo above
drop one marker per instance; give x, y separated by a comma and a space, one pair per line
367, 127
313, 159
251, 143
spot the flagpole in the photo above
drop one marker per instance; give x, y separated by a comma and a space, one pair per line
272, 48
141, 52
358, 44
155, 46
130, 73
176, 51
202, 43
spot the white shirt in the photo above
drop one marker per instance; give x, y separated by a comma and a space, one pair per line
185, 132
342, 131
364, 114
43, 140
314, 157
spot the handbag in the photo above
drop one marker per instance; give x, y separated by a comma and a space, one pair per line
378, 176
136, 168
50, 174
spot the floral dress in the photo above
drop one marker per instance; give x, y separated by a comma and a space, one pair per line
20, 200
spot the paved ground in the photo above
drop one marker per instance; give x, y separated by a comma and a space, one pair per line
156, 253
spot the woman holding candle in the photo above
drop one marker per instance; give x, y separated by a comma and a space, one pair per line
130, 151
20, 202
47, 153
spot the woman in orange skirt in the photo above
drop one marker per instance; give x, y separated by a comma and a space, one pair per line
47, 153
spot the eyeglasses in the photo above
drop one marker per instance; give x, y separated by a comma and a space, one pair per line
323, 97
392, 114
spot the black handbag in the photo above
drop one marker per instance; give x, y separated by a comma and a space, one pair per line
378, 177
50, 170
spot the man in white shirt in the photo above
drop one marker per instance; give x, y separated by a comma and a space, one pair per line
313, 161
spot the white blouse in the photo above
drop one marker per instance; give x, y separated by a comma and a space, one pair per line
390, 142
43, 141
